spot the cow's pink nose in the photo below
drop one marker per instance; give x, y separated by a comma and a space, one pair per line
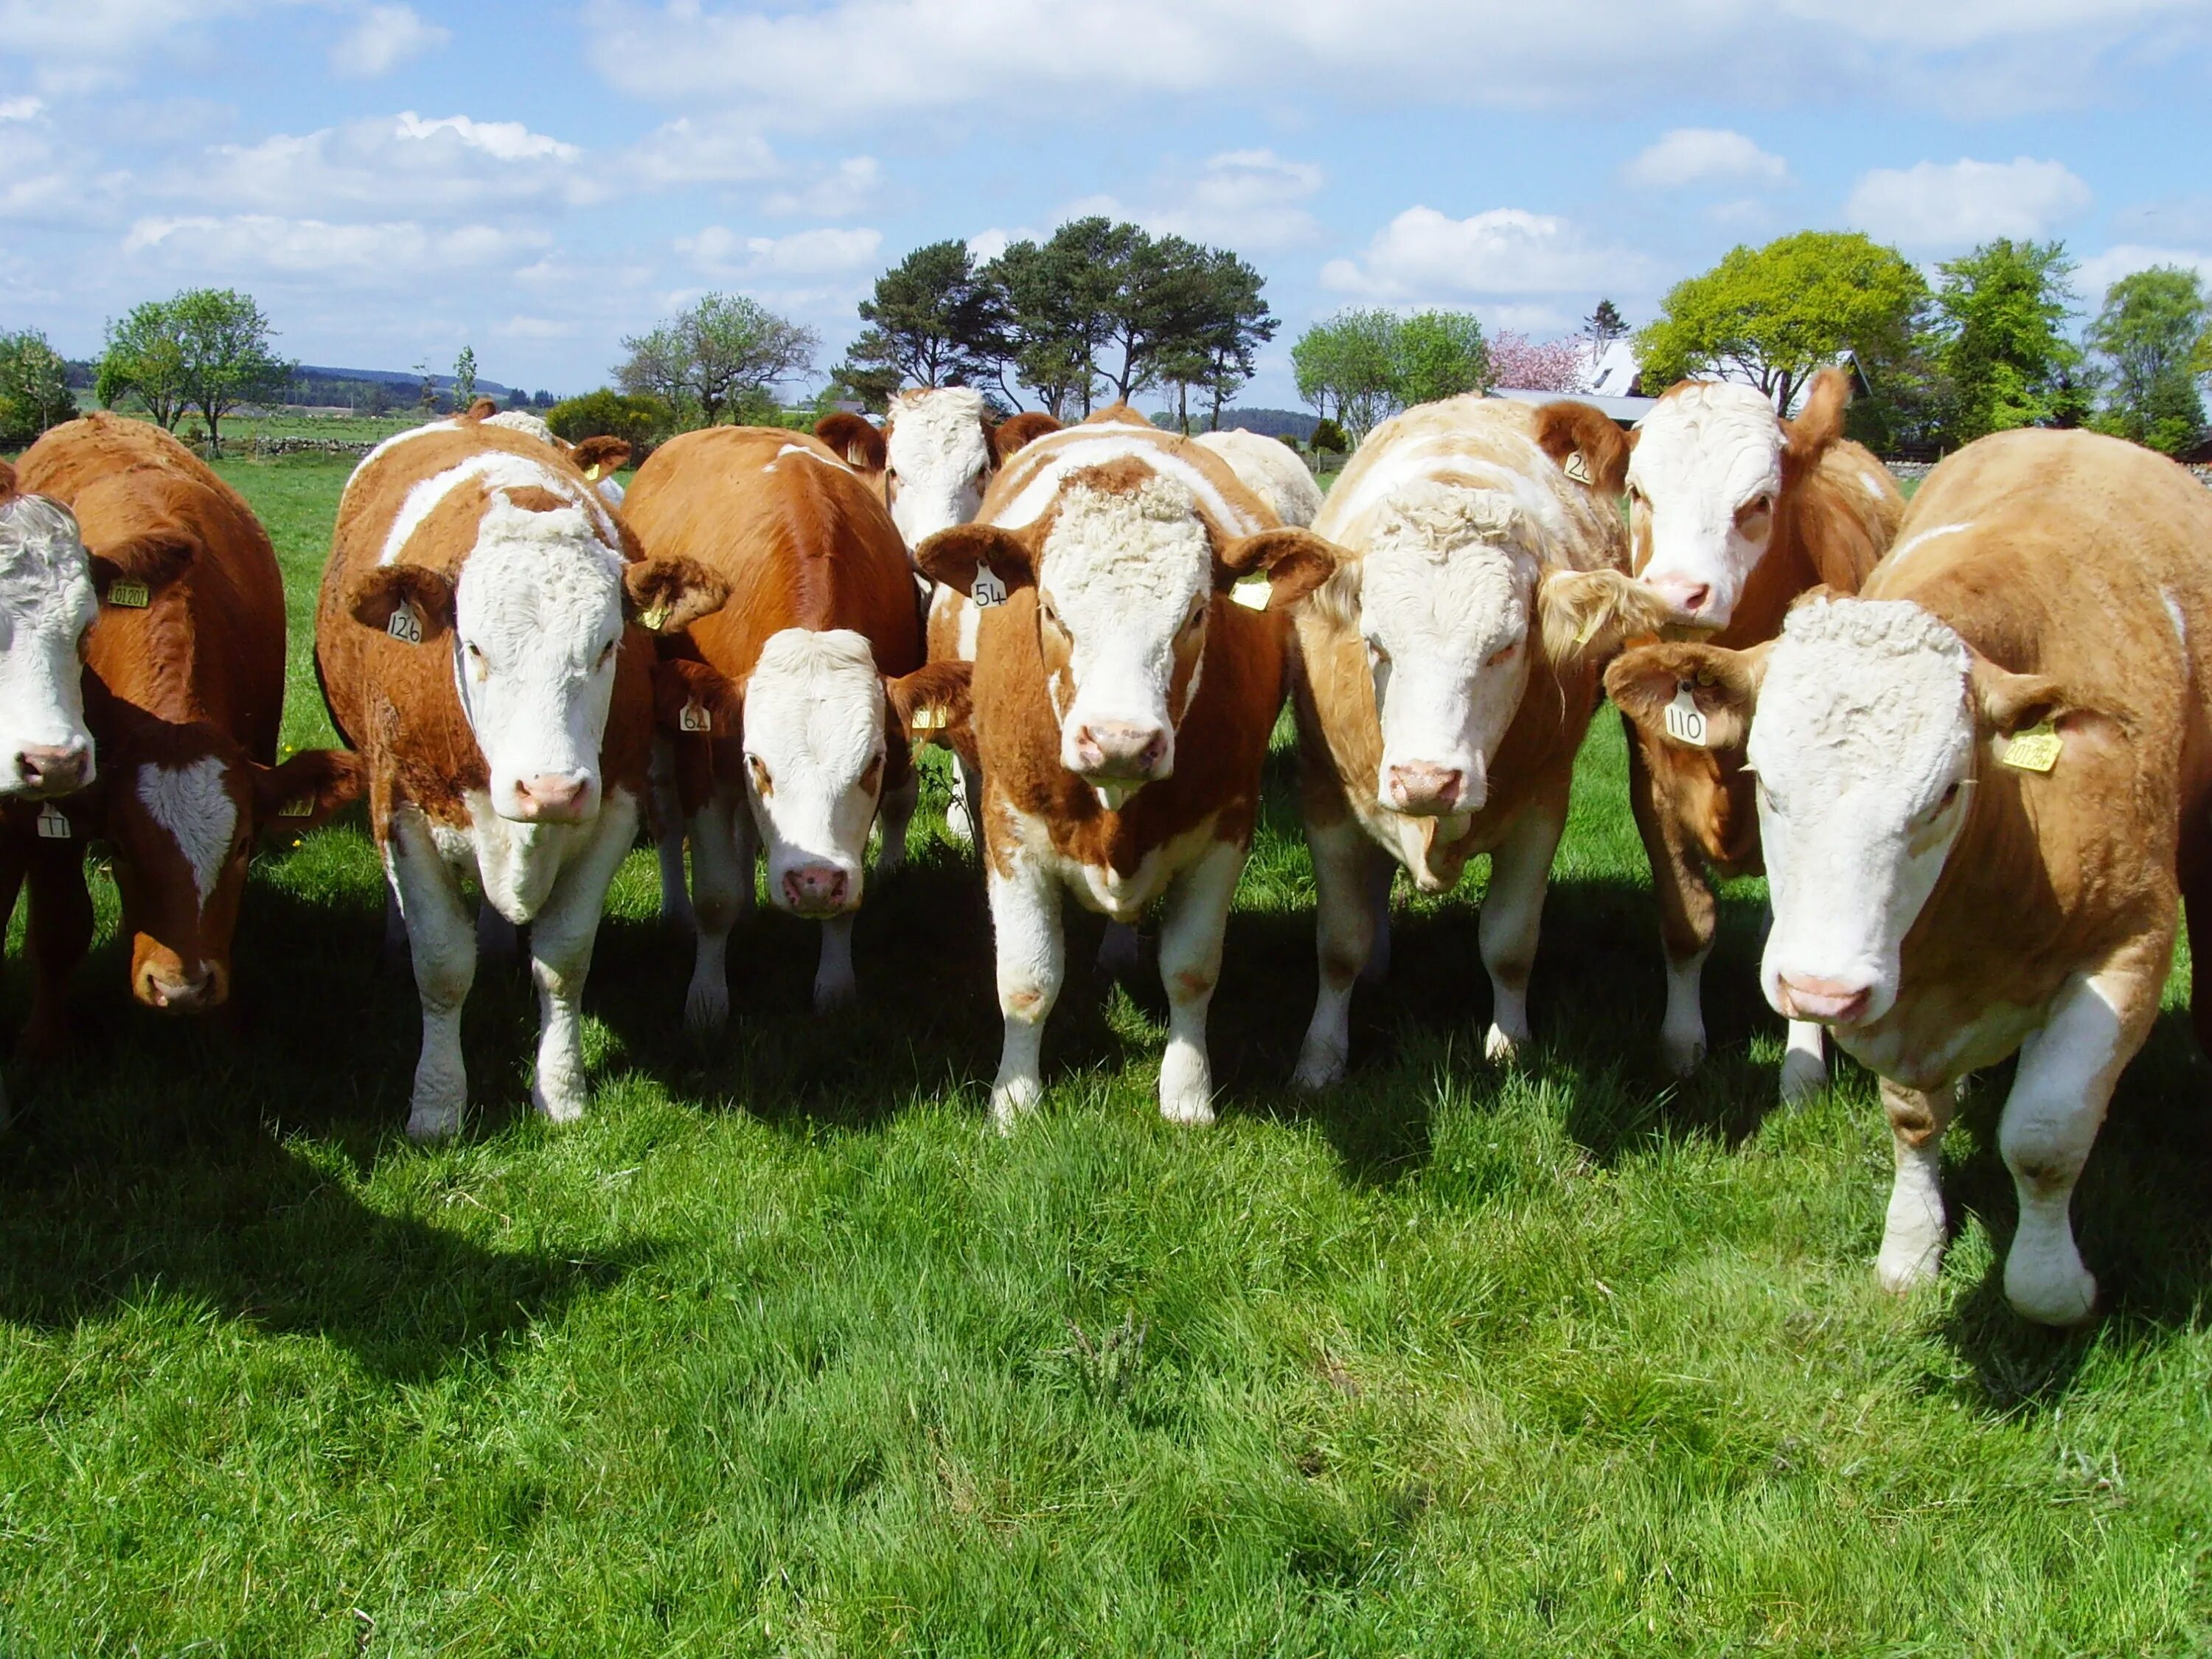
1425, 789
1691, 597
553, 797
815, 889
1122, 749
1831, 1001
188, 991
42, 770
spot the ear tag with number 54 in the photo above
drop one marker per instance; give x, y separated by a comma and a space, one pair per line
989, 590
1685, 721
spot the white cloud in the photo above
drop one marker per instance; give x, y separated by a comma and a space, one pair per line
2099, 271
987, 245
385, 37
714, 151
392, 254
1423, 255
1696, 155
854, 185
719, 252
22, 109
535, 328
71, 47
1937, 206
507, 141
1247, 199
401, 165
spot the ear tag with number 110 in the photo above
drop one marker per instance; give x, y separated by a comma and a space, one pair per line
1685, 721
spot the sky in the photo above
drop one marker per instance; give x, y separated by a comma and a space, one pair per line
395, 181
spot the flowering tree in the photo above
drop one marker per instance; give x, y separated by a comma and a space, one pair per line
1527, 365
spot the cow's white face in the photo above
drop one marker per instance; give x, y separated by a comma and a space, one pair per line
814, 765
1864, 746
538, 622
1704, 482
939, 460
1446, 596
46, 605
1125, 580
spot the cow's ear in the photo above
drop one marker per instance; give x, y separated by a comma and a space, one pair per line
1819, 423
667, 593
1586, 443
2009, 703
597, 456
309, 789
481, 410
692, 697
1589, 615
931, 704
958, 557
406, 601
856, 439
146, 563
1297, 562
1723, 685
1008, 438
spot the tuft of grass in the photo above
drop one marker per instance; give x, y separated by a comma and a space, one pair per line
782, 1351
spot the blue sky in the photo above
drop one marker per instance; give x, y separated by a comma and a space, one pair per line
394, 181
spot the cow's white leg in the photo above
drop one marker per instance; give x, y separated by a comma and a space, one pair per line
2059, 1093
1912, 1238
1343, 931
1120, 954
1191, 926
1682, 1032
442, 938
668, 834
1031, 964
1512, 913
721, 885
892, 818
561, 938
1384, 872
834, 988
1804, 1063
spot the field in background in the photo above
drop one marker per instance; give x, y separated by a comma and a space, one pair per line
783, 1351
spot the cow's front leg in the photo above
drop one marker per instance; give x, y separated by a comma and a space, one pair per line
1804, 1062
1912, 1238
721, 893
1191, 926
668, 833
892, 818
1344, 930
1689, 914
1512, 914
1025, 923
59, 932
441, 936
2059, 1093
834, 987
561, 940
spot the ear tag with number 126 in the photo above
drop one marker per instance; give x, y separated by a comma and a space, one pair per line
130, 595
2035, 750
1685, 721
989, 590
405, 625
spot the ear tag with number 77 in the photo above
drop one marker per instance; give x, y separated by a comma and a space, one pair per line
1685, 721
987, 590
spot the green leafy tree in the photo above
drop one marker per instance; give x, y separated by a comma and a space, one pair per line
1438, 354
640, 419
143, 359
464, 378
227, 362
34, 389
2000, 349
725, 351
1056, 319
1213, 348
932, 320
1778, 314
1347, 368
1603, 327
2149, 332
1328, 437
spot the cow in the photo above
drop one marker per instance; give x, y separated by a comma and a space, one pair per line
477, 637
1734, 512
1985, 787
47, 605
600, 457
1271, 469
1120, 709
1446, 675
184, 692
815, 678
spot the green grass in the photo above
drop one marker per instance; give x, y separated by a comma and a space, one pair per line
783, 1351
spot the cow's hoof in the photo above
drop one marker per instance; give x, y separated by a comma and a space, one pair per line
1191, 1106
1499, 1047
707, 1008
428, 1123
1682, 1055
832, 995
1120, 955
2050, 1292
1804, 1078
1905, 1266
1319, 1068
563, 1102
1012, 1101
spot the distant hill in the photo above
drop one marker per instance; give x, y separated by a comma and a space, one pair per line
1271, 422
399, 376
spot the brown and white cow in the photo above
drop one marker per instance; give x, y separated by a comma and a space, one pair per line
475, 642
1734, 513
818, 670
1271, 469
1984, 786
1121, 706
184, 694
1447, 675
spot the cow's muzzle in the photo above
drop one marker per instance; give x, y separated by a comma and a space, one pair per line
42, 771
1829, 1001
1422, 790
1122, 751
553, 798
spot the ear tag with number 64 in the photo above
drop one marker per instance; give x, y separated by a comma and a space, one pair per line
54, 824
989, 590
693, 717
130, 595
1685, 721
405, 625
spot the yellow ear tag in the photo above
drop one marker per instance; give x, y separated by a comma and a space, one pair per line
656, 619
299, 806
1253, 596
693, 717
1588, 630
132, 595
928, 719
2035, 750
592, 473
1576, 468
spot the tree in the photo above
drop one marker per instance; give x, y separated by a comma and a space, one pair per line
1328, 437
2148, 332
1349, 360
933, 320
426, 396
35, 392
714, 356
1603, 327
1216, 343
227, 362
1438, 354
464, 378
144, 358
2000, 352
1055, 319
1777, 314
639, 419
1538, 365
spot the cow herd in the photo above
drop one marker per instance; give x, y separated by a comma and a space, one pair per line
1969, 742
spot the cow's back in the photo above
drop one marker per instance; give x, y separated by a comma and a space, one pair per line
1027, 485
802, 540
209, 645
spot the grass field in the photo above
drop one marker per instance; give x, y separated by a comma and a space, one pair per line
783, 1351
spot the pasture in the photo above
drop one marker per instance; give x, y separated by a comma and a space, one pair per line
782, 1350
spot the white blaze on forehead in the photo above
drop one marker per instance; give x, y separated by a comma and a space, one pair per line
1099, 445
1701, 453
46, 604
936, 444
498, 471
522, 421
1118, 557
192, 805
814, 718
1860, 691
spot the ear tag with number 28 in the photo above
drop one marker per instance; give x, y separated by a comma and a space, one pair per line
1685, 721
405, 625
1576, 468
989, 590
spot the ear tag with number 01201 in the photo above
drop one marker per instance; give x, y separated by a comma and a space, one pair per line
989, 590
1685, 721
1576, 468
927, 718
54, 824
2035, 750
656, 619
693, 717
1253, 596
132, 596
299, 806
405, 625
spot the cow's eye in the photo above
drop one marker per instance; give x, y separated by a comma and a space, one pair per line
1197, 616
761, 781
606, 652
1759, 507
1949, 796
872, 779
1503, 655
